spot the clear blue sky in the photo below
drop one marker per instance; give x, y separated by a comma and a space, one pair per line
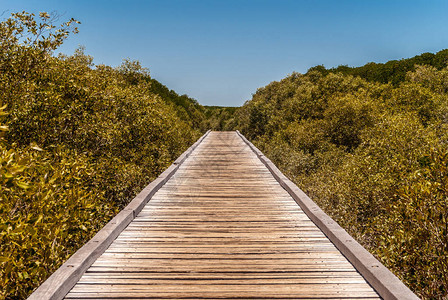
220, 51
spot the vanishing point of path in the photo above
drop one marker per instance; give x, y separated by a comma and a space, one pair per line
222, 227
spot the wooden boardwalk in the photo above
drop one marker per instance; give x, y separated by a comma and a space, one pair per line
222, 228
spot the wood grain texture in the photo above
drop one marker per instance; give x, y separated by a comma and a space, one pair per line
222, 227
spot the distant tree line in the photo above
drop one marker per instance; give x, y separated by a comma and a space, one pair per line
393, 71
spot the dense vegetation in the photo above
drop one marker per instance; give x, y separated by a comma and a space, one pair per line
393, 71
199, 116
219, 118
78, 142
373, 155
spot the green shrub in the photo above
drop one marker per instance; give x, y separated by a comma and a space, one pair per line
418, 243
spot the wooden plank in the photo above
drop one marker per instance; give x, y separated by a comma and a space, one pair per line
333, 275
308, 289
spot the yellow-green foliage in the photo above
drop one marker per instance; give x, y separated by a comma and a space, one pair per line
47, 211
218, 117
78, 142
423, 210
365, 152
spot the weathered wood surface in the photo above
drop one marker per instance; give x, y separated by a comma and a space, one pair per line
222, 227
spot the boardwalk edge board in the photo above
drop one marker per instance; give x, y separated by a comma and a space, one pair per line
386, 284
64, 278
